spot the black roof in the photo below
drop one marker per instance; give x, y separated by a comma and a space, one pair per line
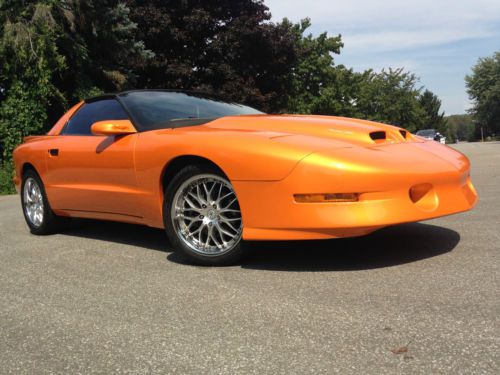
199, 94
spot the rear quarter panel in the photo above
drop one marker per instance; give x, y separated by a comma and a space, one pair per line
35, 148
34, 152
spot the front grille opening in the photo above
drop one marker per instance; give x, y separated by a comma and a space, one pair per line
378, 136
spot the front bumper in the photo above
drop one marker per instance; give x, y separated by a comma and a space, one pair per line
271, 213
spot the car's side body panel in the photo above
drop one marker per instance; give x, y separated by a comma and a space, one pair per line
93, 174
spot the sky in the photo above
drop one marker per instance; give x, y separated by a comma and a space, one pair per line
438, 40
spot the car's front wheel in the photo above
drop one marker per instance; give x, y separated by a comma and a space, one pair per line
202, 216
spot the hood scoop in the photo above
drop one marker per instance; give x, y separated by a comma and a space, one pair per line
390, 136
378, 136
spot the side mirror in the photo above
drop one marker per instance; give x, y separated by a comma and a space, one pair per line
112, 127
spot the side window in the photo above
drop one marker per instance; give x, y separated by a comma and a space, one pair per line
82, 120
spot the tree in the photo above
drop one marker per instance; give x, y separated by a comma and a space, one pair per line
99, 42
30, 65
391, 96
318, 86
434, 119
460, 127
483, 87
224, 47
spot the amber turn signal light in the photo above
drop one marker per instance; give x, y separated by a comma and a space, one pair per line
326, 198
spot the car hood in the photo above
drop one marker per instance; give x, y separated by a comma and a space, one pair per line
317, 131
280, 142
380, 144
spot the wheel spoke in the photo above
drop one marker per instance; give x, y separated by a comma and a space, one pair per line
223, 231
209, 236
190, 218
230, 226
194, 233
217, 200
214, 238
226, 219
191, 204
199, 195
230, 203
225, 196
211, 189
229, 210
200, 233
191, 224
207, 192
196, 198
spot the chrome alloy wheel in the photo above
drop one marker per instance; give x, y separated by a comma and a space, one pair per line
33, 202
206, 215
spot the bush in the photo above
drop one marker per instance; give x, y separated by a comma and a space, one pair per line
6, 174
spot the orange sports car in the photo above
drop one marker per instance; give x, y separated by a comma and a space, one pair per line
213, 174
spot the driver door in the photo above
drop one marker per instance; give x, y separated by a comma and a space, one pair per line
93, 174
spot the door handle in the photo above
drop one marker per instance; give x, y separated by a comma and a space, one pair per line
54, 152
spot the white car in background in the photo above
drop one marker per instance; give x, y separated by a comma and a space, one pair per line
432, 134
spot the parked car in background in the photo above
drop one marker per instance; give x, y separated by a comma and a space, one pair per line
432, 134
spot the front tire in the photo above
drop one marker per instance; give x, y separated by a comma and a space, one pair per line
202, 216
36, 208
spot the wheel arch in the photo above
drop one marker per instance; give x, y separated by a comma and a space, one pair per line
179, 162
28, 166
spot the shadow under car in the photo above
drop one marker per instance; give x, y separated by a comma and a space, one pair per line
386, 247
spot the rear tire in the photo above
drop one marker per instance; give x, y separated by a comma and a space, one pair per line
36, 208
202, 216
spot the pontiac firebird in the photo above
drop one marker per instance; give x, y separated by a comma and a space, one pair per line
213, 174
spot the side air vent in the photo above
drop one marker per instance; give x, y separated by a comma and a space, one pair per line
378, 136
403, 133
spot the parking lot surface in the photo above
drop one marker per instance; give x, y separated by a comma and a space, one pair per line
112, 298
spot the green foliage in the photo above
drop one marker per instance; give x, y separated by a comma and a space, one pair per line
392, 97
6, 174
31, 63
483, 87
316, 85
99, 42
434, 119
460, 128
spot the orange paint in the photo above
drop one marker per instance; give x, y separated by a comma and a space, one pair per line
396, 177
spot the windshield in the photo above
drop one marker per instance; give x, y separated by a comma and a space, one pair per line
167, 109
427, 133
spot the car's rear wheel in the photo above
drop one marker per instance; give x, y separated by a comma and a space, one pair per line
36, 208
202, 216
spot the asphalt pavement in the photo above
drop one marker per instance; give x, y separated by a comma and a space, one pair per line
112, 298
